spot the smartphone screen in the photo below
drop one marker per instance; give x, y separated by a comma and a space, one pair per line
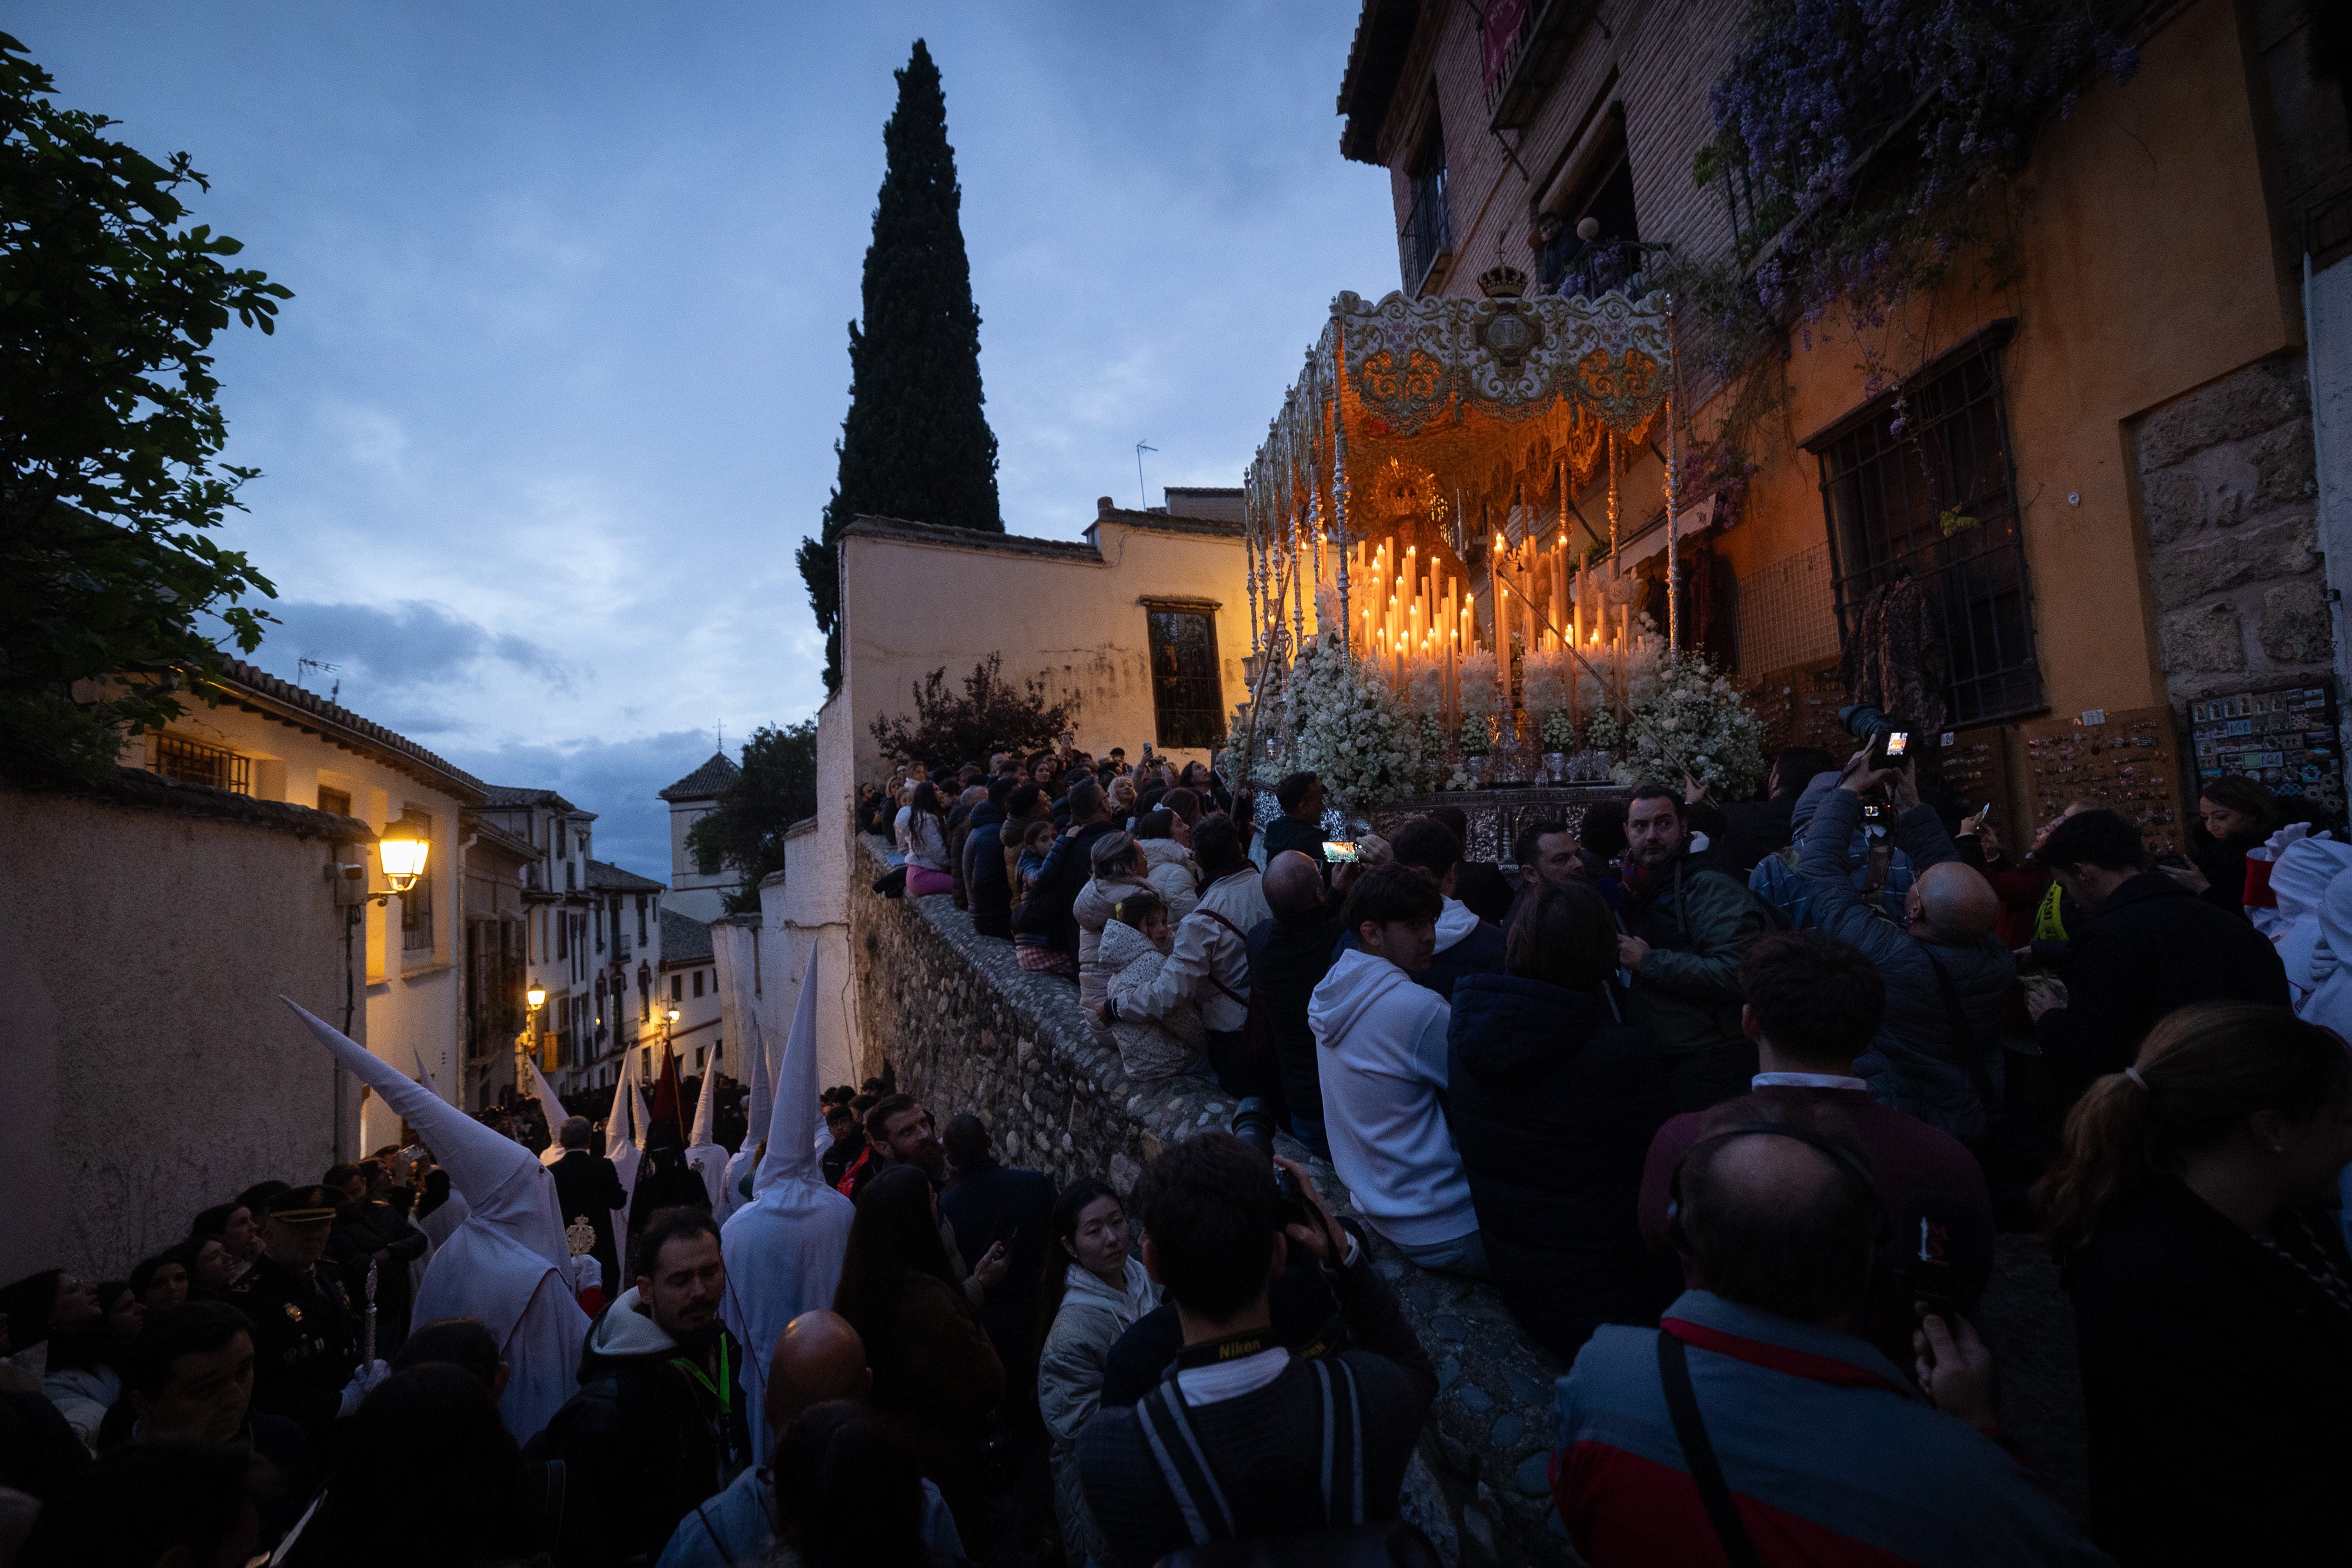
1898, 742
1335, 850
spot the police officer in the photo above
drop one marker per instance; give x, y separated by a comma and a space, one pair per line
306, 1336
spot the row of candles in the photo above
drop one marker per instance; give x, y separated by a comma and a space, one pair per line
1417, 610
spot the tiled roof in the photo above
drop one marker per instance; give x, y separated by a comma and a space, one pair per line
705, 781
515, 844
1164, 523
685, 939
523, 795
607, 878
1384, 30
137, 788
969, 539
341, 727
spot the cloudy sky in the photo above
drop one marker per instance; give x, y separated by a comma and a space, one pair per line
556, 396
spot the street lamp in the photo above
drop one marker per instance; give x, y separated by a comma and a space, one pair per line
403, 858
526, 1042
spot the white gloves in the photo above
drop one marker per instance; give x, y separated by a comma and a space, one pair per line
362, 1384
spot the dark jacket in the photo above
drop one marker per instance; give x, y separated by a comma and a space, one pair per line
1923, 1060
1482, 885
654, 1429
992, 1203
2215, 1379
1290, 833
587, 1185
359, 1233
1069, 866
306, 1341
1298, 1300
1265, 1444
1553, 1104
1287, 959
1698, 919
2152, 947
987, 893
1744, 832
1919, 1173
1478, 953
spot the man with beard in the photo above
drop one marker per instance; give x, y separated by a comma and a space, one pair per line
900, 1132
660, 1422
1686, 922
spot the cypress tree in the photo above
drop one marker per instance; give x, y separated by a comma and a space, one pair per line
916, 443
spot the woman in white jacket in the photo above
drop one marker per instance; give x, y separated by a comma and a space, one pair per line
1132, 947
1118, 868
1094, 1290
1174, 875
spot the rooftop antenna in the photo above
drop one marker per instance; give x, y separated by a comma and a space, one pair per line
304, 664
1143, 497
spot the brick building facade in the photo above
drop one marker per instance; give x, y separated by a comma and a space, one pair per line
2124, 396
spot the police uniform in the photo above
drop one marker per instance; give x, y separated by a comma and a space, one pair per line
305, 1335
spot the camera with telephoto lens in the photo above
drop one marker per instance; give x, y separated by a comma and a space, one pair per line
1252, 1123
1890, 739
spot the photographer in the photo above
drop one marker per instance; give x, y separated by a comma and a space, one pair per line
1948, 975
1245, 1439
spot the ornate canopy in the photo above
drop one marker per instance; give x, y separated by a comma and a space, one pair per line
1441, 421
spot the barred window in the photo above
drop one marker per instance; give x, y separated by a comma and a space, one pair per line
1920, 485
185, 761
1188, 701
417, 904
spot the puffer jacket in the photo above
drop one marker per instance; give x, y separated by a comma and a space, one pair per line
1553, 1104
1091, 909
1698, 919
1070, 1371
1175, 876
1921, 1063
1149, 1048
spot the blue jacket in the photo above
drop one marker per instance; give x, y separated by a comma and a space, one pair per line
1921, 1061
986, 890
1830, 1455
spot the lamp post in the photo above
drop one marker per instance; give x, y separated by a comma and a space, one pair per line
526, 1042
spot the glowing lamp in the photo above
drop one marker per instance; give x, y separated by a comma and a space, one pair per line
536, 995
403, 860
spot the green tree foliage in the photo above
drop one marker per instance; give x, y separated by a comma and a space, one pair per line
916, 443
991, 716
110, 429
745, 833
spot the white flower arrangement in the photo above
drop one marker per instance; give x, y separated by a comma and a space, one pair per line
1685, 718
1480, 691
1547, 678
1350, 727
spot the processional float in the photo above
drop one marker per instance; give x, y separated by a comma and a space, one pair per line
1413, 508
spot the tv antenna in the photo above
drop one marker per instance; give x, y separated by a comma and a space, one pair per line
1143, 497
305, 664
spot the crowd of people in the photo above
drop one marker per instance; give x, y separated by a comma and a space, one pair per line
1728, 1101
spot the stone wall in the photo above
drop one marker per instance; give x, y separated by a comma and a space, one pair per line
2230, 492
969, 1029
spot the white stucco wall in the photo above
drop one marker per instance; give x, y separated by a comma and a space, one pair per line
151, 1069
1073, 618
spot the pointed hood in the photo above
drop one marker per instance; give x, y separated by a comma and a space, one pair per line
792, 1127
503, 1182
705, 1106
784, 1248
761, 1106
507, 1263
624, 1124
424, 1073
552, 1107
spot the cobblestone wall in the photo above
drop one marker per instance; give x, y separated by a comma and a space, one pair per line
969, 1029
2230, 490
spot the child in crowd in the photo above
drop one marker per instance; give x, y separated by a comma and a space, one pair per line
1136, 941
1033, 950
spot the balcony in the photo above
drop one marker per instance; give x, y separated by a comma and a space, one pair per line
1426, 243
1590, 269
1527, 44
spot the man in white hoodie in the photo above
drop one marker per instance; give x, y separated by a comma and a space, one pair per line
1380, 1040
1465, 944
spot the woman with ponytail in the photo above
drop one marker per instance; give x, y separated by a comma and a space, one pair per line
2212, 1292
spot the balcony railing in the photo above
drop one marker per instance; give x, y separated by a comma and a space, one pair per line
1527, 44
1573, 266
1425, 243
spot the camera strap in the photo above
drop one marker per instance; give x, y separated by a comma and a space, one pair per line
1183, 1462
1698, 1454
